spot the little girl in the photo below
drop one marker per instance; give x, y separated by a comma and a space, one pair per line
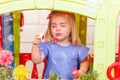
66, 53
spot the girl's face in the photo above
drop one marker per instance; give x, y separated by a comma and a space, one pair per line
60, 28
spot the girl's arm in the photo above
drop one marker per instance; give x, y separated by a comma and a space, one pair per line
37, 55
84, 66
83, 69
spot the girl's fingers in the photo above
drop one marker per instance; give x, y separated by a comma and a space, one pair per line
37, 37
37, 40
75, 73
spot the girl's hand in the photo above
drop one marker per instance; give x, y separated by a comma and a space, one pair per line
38, 38
76, 73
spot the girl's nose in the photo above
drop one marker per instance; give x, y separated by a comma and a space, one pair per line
57, 28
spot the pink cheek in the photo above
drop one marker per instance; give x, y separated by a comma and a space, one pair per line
52, 33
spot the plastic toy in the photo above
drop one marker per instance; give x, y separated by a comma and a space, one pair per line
41, 35
115, 65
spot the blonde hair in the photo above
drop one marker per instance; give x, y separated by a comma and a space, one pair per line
75, 40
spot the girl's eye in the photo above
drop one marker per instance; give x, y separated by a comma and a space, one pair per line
63, 25
53, 26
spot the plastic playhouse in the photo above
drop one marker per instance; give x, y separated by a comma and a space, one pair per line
104, 12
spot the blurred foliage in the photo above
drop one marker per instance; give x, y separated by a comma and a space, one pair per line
6, 73
92, 75
53, 76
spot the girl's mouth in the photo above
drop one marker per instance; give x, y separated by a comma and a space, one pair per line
58, 34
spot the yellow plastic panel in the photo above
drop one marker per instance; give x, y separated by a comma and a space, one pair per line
44, 4
105, 38
116, 3
90, 3
16, 5
4, 1
81, 7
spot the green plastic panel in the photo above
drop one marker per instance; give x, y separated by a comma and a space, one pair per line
16, 32
81, 27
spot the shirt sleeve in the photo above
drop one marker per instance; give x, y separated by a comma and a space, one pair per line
82, 52
43, 46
